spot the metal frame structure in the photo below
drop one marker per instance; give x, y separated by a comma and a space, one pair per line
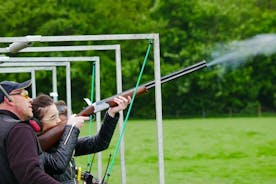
38, 64
52, 61
60, 61
117, 49
158, 99
31, 70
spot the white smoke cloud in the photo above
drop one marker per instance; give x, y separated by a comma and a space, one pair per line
238, 52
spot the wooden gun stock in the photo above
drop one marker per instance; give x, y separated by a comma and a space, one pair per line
48, 139
51, 137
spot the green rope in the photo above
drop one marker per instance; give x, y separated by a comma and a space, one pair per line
91, 116
128, 112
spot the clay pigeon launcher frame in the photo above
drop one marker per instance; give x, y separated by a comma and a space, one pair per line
23, 42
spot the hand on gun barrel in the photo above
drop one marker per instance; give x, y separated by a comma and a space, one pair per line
121, 102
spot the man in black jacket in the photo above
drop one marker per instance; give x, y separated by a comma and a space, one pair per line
19, 147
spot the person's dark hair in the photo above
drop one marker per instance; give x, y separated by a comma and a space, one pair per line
61, 107
39, 103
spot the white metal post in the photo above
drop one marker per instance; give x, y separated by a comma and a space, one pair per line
54, 81
33, 84
98, 114
158, 106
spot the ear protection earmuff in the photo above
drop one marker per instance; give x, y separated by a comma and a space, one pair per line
36, 125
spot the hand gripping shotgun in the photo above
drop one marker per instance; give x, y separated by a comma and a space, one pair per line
51, 137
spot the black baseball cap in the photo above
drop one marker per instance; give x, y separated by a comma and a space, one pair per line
9, 86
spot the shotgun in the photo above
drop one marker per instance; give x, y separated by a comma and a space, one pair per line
50, 138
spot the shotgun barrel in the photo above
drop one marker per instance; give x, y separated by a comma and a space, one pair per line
109, 102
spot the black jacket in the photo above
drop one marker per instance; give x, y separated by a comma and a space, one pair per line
19, 153
62, 168
56, 160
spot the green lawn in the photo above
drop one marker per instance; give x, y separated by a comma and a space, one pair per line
198, 151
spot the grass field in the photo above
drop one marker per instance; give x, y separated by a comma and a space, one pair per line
197, 151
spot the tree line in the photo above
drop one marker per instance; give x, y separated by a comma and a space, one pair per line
190, 31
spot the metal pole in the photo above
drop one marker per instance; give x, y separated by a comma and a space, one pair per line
78, 38
158, 106
54, 79
98, 114
68, 89
121, 120
33, 84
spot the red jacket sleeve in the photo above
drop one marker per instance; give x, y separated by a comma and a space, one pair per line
23, 156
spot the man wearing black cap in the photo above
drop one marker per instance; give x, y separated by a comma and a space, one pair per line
19, 148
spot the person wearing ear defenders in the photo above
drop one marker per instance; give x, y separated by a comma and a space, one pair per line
63, 169
19, 148
46, 114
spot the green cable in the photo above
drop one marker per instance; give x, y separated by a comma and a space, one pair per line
91, 116
128, 112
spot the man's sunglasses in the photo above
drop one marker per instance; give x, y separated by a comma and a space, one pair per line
23, 93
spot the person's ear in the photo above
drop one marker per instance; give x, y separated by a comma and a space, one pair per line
8, 100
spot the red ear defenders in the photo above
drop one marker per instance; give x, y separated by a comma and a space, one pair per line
36, 125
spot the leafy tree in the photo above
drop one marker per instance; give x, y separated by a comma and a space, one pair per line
189, 32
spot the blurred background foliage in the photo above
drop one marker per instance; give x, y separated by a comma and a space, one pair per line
189, 31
